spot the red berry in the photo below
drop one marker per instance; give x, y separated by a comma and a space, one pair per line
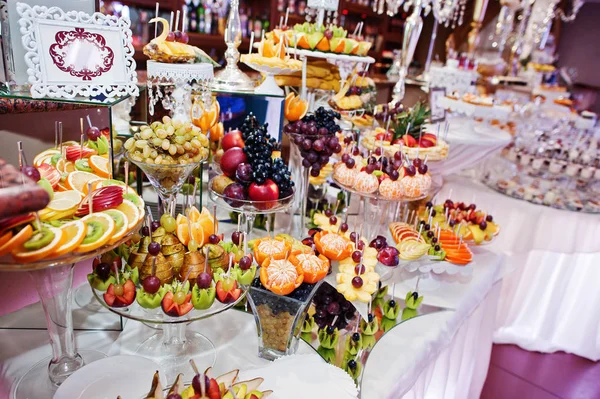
357, 282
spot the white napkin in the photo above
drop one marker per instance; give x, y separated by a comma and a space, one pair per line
304, 376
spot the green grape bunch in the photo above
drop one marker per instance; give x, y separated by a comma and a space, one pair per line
168, 142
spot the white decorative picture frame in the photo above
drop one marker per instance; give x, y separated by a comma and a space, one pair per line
71, 53
438, 112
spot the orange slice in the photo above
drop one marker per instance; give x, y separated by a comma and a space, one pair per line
99, 165
183, 234
73, 235
24, 256
4, 239
44, 157
17, 240
131, 213
108, 224
78, 180
119, 232
65, 166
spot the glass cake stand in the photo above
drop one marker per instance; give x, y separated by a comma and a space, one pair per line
53, 280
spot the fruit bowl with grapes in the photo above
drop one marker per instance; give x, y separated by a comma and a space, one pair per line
167, 152
250, 176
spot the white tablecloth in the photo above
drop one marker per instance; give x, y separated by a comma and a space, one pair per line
234, 336
551, 301
444, 354
470, 143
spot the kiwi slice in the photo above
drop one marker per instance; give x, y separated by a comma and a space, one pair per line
95, 230
83, 165
55, 158
39, 240
133, 198
117, 217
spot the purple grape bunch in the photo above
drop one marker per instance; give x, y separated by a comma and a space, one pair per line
315, 136
328, 304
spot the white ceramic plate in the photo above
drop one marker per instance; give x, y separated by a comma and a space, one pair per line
127, 376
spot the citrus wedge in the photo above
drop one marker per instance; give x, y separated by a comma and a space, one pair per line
93, 221
16, 241
5, 237
21, 254
99, 165
78, 180
65, 166
131, 213
194, 214
73, 235
119, 231
44, 157
183, 234
64, 201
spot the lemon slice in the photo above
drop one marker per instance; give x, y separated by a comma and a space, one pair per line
108, 224
73, 235
65, 200
44, 157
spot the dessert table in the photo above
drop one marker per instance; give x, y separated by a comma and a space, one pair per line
430, 349
549, 299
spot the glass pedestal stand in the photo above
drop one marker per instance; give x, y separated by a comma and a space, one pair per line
53, 281
174, 345
54, 288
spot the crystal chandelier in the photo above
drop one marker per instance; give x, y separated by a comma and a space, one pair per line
448, 12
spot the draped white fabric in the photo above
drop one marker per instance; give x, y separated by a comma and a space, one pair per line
470, 143
429, 364
550, 302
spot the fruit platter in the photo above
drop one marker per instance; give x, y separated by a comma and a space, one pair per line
225, 386
87, 212
406, 134
175, 273
248, 174
315, 39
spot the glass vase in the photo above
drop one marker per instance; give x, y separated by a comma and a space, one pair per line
278, 321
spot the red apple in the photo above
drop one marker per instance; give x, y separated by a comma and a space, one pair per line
409, 140
431, 137
103, 198
398, 141
267, 193
50, 173
231, 159
425, 143
232, 139
73, 152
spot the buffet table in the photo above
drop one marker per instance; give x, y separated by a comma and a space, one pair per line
549, 301
431, 348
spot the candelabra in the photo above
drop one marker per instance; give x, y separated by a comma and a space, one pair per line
232, 78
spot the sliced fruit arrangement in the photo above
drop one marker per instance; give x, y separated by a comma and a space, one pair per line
74, 221
273, 54
182, 262
203, 386
171, 46
407, 134
464, 220
310, 36
295, 108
